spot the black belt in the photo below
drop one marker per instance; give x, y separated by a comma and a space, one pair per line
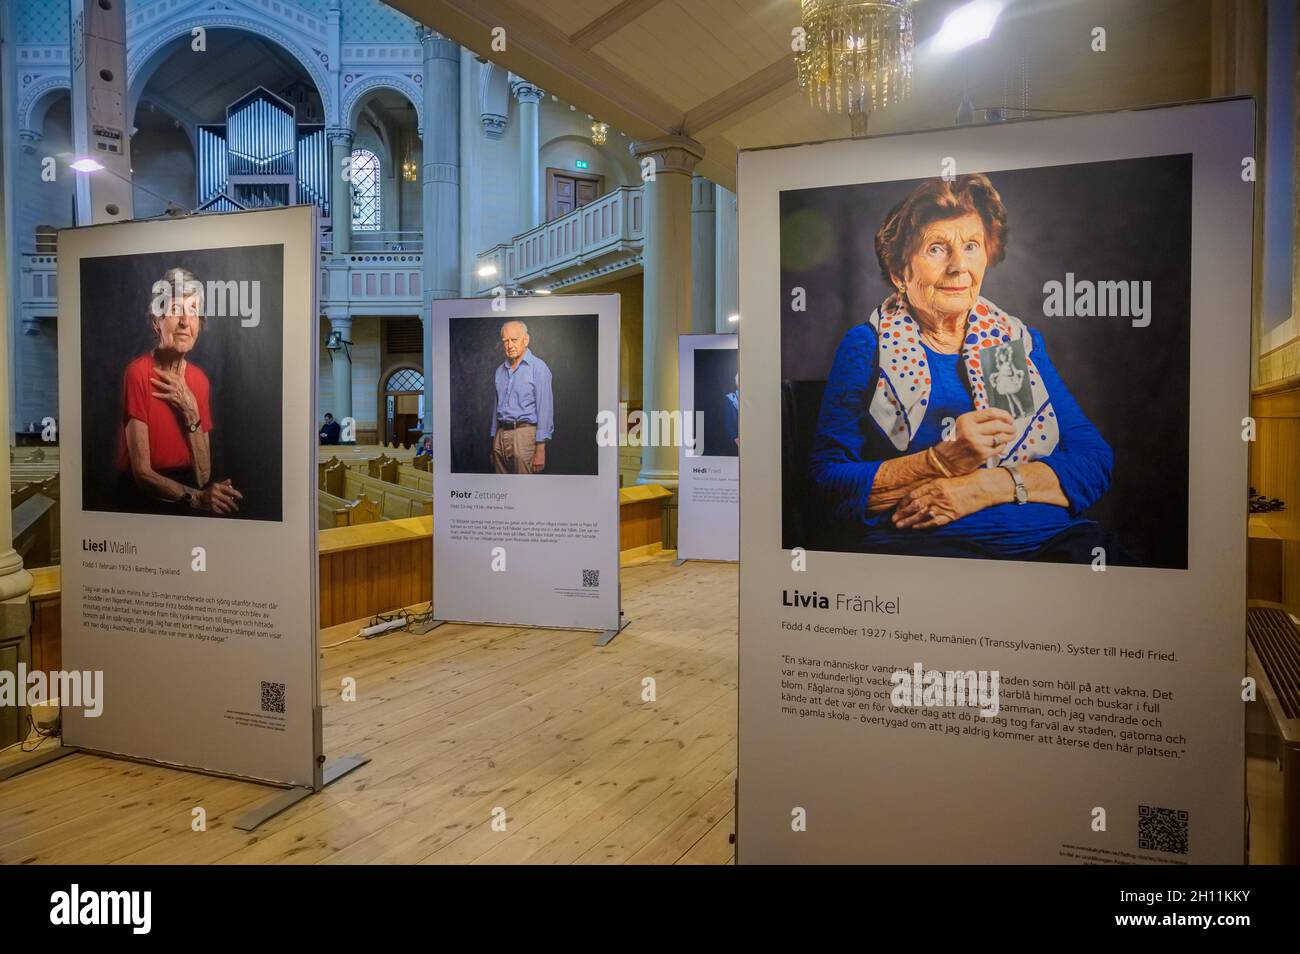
511, 425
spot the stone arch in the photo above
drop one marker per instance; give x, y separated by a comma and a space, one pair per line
626, 165
147, 53
363, 87
37, 100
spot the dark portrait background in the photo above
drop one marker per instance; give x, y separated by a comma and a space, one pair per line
1124, 220
243, 366
715, 378
568, 345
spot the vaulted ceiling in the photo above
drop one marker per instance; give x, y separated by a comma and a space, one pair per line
197, 87
722, 72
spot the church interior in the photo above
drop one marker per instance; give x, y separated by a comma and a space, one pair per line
489, 149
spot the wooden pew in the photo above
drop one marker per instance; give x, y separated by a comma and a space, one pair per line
408, 476
335, 512
395, 502
330, 476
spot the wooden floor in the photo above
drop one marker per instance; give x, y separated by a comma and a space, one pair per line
458, 723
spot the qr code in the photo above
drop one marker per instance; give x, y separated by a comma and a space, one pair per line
591, 578
273, 697
1162, 829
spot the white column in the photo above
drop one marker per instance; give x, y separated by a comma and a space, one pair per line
703, 254
100, 127
341, 363
441, 180
340, 189
727, 282
667, 284
15, 582
529, 96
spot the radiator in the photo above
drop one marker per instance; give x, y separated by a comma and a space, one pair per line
1273, 648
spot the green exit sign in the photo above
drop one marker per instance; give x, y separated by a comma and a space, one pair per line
580, 163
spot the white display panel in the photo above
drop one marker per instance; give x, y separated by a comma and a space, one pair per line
1119, 737
513, 543
202, 618
708, 483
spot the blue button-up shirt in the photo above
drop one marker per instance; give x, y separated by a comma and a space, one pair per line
524, 394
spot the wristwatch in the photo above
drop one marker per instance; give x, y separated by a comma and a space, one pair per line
189, 497
1022, 493
195, 426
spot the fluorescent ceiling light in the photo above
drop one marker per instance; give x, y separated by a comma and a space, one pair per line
487, 271
542, 291
967, 24
733, 318
87, 165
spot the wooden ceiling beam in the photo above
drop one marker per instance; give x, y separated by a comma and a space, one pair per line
611, 22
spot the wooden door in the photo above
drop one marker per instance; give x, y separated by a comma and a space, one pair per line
566, 191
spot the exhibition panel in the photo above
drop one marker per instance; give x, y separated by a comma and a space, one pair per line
992, 516
187, 387
708, 467
525, 514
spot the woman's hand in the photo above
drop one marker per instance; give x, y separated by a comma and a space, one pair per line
938, 503
976, 436
171, 387
220, 497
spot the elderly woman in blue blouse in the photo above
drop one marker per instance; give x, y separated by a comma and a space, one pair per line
916, 448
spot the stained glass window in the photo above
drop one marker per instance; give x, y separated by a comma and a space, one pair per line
365, 191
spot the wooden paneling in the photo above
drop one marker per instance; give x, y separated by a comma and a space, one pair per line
1274, 554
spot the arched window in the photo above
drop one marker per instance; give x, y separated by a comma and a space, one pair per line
365, 191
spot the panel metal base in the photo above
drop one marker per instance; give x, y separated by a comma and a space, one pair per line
36, 760
607, 636
678, 562
427, 627
282, 801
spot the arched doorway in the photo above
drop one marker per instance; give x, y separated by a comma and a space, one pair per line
403, 406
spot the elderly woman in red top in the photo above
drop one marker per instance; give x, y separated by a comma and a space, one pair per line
165, 460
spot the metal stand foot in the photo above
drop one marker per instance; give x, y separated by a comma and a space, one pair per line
678, 562
426, 627
332, 772
606, 637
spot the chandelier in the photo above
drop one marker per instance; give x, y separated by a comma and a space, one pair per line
599, 132
409, 170
855, 55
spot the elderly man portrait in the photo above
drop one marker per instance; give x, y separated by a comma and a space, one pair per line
912, 451
524, 417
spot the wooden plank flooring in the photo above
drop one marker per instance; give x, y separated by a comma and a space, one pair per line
459, 723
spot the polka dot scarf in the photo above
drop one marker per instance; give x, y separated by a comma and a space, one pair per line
902, 392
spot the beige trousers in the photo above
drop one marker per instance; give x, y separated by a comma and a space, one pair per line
513, 448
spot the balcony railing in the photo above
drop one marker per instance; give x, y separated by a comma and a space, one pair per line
379, 241
367, 283
598, 238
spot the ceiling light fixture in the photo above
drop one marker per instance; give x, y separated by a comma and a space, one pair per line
857, 54
87, 164
967, 25
599, 133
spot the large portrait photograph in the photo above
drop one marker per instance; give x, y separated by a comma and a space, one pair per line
990, 366
717, 401
181, 357
524, 394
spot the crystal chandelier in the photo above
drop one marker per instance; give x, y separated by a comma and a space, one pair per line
409, 170
599, 132
855, 55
